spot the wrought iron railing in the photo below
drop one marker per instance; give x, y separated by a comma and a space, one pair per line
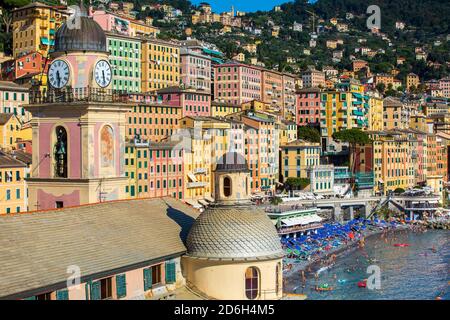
86, 94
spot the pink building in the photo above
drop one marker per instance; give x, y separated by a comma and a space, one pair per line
236, 83
195, 70
133, 254
193, 102
308, 106
166, 170
444, 85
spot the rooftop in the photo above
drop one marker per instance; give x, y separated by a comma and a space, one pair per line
102, 239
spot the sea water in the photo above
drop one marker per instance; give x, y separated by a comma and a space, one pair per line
419, 271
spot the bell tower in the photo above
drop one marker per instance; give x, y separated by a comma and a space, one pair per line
78, 124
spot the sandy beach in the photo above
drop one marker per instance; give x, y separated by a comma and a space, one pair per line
339, 251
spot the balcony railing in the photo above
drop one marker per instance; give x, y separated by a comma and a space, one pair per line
86, 94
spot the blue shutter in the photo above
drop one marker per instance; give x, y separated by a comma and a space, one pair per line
147, 279
121, 285
95, 291
62, 294
170, 272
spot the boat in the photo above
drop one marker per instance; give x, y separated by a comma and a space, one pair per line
362, 284
324, 287
401, 245
342, 280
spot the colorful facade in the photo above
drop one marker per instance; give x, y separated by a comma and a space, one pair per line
152, 121
297, 157
125, 59
236, 83
160, 64
308, 107
195, 71
13, 187
34, 27
12, 99
191, 102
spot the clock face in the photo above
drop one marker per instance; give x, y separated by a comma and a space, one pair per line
102, 73
58, 74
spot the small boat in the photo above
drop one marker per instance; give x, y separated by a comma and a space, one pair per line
342, 280
324, 287
401, 245
362, 284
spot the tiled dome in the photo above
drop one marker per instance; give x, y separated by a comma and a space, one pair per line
88, 37
232, 162
239, 233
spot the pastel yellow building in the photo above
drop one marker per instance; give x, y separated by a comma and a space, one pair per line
10, 131
297, 157
160, 64
412, 81
375, 113
288, 132
13, 189
34, 27
219, 109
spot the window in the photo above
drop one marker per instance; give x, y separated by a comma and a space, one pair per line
251, 283
106, 288
227, 186
59, 204
44, 296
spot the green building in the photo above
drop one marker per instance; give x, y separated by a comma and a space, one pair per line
125, 59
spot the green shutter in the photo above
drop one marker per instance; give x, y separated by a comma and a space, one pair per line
170, 272
95, 291
62, 294
30, 298
121, 285
147, 279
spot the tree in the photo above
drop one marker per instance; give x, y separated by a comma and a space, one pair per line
6, 20
380, 87
308, 134
297, 183
353, 137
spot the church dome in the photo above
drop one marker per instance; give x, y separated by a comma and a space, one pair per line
88, 37
238, 233
232, 162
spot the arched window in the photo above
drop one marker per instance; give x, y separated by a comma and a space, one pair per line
277, 277
251, 283
107, 147
227, 186
60, 152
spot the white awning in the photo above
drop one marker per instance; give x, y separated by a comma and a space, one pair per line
304, 220
209, 199
433, 201
203, 202
194, 203
192, 177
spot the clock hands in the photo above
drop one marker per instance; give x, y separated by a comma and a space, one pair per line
103, 73
58, 78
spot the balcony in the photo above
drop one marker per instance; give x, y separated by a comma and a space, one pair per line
198, 184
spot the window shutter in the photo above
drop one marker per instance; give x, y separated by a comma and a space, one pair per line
121, 285
170, 272
95, 290
30, 298
147, 279
62, 294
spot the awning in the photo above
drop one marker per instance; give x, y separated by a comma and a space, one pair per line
433, 201
203, 202
304, 220
192, 177
380, 181
194, 203
209, 199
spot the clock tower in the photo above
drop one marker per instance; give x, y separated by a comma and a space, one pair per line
78, 124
